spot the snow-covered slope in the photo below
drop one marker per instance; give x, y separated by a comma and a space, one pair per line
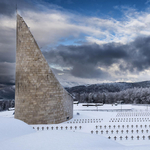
12, 128
60, 140
76, 134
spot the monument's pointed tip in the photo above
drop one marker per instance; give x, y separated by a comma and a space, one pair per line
18, 15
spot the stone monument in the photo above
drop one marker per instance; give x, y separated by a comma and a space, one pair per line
39, 97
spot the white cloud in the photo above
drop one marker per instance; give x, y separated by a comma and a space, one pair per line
148, 1
52, 26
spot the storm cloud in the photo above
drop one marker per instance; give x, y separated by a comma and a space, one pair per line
92, 61
8, 7
79, 47
8, 38
7, 73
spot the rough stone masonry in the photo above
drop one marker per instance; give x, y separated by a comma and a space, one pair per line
39, 97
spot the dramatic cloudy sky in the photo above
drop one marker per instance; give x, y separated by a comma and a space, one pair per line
84, 41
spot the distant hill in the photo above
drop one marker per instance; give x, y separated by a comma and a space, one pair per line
107, 92
7, 92
137, 92
107, 87
7, 96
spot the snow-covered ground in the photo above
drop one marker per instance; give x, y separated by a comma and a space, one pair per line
125, 127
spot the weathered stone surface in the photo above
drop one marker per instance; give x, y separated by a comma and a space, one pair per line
39, 97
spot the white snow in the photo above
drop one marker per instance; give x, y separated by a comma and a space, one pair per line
89, 129
11, 128
59, 140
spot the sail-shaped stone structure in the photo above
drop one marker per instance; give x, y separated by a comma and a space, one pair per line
39, 97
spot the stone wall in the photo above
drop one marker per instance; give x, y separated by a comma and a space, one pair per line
39, 97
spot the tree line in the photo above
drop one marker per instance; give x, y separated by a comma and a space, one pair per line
128, 96
5, 104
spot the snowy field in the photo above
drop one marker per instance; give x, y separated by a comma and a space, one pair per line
125, 127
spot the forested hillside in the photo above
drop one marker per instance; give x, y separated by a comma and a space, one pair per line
138, 92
